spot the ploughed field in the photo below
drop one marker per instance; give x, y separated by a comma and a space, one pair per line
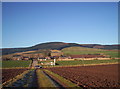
90, 76
8, 74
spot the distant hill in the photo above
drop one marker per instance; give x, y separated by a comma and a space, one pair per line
57, 46
107, 47
89, 51
81, 50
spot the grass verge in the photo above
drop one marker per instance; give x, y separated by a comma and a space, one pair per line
61, 79
43, 80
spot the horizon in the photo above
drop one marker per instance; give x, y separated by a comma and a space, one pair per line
60, 42
26, 24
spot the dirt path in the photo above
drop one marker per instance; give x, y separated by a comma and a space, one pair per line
46, 81
30, 80
34, 82
56, 84
34, 63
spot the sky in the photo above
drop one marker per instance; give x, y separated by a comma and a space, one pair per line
26, 24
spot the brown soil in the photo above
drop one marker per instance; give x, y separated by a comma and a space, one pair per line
88, 56
105, 76
8, 74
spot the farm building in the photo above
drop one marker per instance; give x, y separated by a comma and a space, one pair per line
25, 58
64, 57
16, 57
47, 58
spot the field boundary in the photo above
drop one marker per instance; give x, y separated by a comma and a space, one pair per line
16, 68
83, 65
14, 79
86, 59
62, 81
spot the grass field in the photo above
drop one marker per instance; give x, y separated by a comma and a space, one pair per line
83, 50
83, 62
20, 63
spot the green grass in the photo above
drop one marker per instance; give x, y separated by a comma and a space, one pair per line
43, 80
113, 54
62, 80
80, 62
83, 50
18, 63
47, 61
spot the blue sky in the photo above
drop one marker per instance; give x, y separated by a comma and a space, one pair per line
29, 23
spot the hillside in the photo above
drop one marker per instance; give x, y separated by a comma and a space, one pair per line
49, 45
98, 46
84, 50
57, 46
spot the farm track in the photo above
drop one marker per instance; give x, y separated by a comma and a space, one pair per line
86, 77
34, 81
34, 63
28, 79
105, 76
54, 81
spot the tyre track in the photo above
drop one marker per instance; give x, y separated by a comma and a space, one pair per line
57, 84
